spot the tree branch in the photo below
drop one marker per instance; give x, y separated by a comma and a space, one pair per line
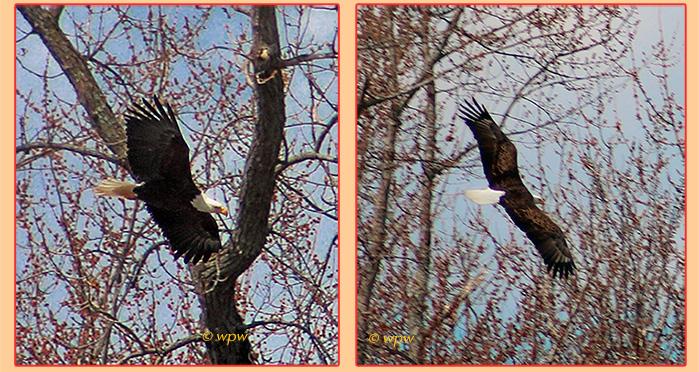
298, 158
45, 24
307, 58
28, 147
324, 354
163, 351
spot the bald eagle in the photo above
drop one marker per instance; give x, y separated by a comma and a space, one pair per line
159, 159
499, 158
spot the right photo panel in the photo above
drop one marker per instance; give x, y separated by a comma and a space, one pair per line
521, 185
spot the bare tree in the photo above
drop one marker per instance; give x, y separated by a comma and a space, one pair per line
95, 284
458, 283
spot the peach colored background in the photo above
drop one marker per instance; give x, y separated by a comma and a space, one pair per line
347, 196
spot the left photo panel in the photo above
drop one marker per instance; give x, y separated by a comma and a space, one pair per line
176, 185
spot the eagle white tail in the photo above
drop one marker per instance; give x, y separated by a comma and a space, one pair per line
119, 189
485, 196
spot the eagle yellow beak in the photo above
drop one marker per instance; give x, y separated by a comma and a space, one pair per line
222, 210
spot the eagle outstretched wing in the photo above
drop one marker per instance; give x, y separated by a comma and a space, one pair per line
156, 149
191, 233
499, 158
159, 157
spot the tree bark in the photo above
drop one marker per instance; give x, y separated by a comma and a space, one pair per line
217, 278
377, 249
418, 308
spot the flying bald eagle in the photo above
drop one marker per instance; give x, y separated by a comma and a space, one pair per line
499, 158
159, 160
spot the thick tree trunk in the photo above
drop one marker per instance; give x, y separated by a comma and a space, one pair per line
423, 252
369, 271
217, 278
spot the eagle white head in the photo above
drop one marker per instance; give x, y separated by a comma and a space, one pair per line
206, 204
489, 196
485, 196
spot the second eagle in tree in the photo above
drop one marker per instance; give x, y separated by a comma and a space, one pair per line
499, 158
159, 160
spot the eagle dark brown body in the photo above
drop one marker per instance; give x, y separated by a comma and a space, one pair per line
499, 158
159, 159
